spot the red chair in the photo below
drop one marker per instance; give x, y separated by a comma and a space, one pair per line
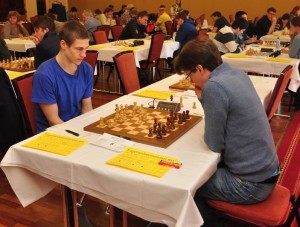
256, 19
100, 37
34, 18
202, 32
282, 206
1, 30
127, 71
150, 27
116, 31
105, 28
169, 28
157, 41
278, 91
91, 57
23, 89
231, 18
29, 27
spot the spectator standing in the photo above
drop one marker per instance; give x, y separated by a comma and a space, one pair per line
14, 28
59, 9
266, 24
175, 8
126, 16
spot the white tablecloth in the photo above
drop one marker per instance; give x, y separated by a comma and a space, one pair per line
20, 45
283, 38
32, 173
261, 65
107, 51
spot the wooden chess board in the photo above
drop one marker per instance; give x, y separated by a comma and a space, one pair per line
136, 127
184, 85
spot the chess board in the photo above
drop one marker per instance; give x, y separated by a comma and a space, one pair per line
20, 65
136, 127
184, 85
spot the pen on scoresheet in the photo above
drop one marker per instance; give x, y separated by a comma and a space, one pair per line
71, 132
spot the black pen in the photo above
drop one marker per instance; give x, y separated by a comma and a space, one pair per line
71, 132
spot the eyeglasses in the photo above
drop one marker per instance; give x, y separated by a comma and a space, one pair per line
188, 75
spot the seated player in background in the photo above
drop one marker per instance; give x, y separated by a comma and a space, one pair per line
106, 18
219, 21
244, 38
136, 27
163, 17
90, 23
14, 28
225, 38
294, 51
46, 40
4, 52
266, 24
236, 127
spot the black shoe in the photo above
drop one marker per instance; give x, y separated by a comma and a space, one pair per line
83, 219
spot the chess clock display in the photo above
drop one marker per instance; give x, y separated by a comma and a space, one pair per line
170, 106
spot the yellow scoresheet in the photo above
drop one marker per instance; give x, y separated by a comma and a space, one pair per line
154, 94
142, 161
54, 143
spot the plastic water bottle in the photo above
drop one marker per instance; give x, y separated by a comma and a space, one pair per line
277, 44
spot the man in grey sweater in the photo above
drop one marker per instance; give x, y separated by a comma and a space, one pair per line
236, 126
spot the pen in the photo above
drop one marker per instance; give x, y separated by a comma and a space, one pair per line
71, 132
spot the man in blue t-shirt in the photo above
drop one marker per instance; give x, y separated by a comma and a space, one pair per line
63, 85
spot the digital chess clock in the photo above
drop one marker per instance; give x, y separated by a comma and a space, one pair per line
168, 106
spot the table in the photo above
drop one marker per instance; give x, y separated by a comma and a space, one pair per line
107, 51
19, 45
32, 174
262, 66
283, 38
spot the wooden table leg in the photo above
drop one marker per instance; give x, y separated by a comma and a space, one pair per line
111, 216
67, 212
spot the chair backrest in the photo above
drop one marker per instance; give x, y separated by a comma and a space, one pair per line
100, 37
34, 18
91, 57
150, 27
105, 28
256, 19
127, 71
157, 41
12, 128
202, 32
278, 90
23, 89
116, 31
29, 27
1, 30
169, 28
118, 20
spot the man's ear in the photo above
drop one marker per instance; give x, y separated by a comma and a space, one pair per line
63, 44
200, 68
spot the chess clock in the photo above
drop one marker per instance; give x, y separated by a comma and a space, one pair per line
168, 106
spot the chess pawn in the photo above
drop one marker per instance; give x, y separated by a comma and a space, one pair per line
187, 115
150, 134
181, 102
194, 105
101, 122
117, 108
159, 135
163, 130
179, 119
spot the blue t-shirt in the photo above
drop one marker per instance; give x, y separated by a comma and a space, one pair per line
52, 85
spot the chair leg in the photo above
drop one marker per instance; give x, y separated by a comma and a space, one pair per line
111, 69
98, 72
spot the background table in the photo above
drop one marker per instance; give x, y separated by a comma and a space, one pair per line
32, 173
19, 45
262, 66
283, 38
107, 51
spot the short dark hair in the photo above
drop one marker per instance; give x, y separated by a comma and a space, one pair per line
98, 11
216, 14
73, 9
143, 13
186, 12
181, 15
286, 16
44, 22
241, 23
162, 6
201, 51
296, 21
72, 30
239, 14
272, 9
108, 9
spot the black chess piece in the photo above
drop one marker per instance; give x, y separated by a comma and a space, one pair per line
150, 134
159, 135
171, 98
179, 119
187, 114
163, 130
